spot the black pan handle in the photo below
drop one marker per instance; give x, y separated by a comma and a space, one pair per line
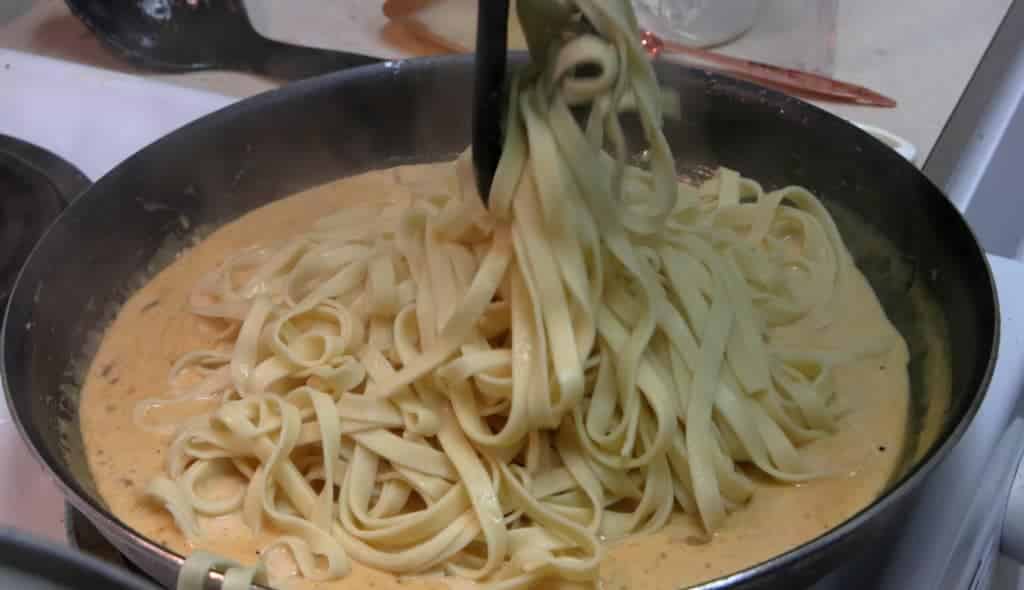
284, 61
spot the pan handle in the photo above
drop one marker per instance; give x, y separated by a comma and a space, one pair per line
284, 61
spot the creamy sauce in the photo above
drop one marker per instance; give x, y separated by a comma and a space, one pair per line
154, 328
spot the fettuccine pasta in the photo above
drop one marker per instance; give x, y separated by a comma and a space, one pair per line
432, 386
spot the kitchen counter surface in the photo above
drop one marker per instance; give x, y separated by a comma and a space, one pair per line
920, 52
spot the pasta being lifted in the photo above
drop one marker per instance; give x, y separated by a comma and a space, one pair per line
431, 386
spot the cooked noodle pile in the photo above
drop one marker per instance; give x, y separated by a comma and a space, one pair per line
428, 386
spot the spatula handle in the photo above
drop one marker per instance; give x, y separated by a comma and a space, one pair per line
489, 90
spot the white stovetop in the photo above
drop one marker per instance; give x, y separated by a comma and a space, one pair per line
68, 109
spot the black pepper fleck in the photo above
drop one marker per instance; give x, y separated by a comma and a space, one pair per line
881, 448
695, 541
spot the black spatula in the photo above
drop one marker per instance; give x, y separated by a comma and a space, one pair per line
489, 90
190, 35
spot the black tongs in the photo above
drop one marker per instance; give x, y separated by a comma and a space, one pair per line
489, 90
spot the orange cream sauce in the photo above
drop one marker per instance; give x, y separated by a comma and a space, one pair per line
154, 328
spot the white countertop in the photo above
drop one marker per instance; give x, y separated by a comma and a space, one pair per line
920, 52
29, 500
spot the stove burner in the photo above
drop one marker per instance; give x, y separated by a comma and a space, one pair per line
35, 186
